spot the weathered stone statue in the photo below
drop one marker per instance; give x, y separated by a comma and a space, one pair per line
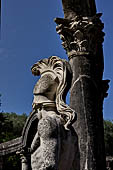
54, 145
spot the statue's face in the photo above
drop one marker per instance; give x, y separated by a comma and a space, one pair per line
46, 86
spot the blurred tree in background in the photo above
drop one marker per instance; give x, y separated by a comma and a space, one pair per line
11, 126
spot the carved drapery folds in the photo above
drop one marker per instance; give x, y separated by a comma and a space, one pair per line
80, 35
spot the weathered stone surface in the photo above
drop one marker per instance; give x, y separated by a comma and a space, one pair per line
87, 100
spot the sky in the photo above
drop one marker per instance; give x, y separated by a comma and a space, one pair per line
0, 19
28, 34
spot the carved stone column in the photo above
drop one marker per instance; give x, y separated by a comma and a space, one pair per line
25, 160
82, 38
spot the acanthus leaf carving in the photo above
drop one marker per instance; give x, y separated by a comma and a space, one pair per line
80, 35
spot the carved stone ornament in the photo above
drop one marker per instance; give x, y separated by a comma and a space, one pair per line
80, 35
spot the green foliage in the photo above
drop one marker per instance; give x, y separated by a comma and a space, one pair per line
11, 126
108, 137
5, 128
12, 162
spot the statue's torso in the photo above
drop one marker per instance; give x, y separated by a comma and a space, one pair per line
56, 145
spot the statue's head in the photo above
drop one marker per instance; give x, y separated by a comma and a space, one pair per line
57, 76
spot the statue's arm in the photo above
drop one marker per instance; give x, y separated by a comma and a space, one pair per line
35, 143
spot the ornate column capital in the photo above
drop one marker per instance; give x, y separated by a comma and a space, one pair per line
80, 35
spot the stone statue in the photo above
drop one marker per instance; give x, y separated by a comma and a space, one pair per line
54, 144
